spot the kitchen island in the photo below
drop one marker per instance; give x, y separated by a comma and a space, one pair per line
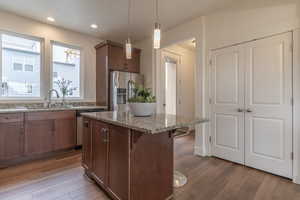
131, 158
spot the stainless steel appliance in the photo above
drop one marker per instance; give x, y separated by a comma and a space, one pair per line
80, 123
122, 88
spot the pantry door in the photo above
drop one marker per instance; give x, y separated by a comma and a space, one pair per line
227, 103
268, 96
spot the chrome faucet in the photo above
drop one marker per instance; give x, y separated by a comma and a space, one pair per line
49, 103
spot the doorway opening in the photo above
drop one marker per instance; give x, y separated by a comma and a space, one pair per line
175, 79
171, 84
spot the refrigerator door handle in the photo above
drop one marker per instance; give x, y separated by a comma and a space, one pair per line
128, 90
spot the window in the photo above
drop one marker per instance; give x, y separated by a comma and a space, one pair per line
66, 66
18, 67
28, 68
21, 63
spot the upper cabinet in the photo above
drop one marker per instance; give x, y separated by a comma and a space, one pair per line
116, 58
110, 56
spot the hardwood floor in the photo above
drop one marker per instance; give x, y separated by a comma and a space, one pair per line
208, 178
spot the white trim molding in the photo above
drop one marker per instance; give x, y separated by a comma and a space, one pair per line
296, 108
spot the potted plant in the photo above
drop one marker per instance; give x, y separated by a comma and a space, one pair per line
143, 103
65, 88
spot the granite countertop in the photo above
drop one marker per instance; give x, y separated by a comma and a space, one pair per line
154, 124
43, 109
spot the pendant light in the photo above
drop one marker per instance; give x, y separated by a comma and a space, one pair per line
128, 45
157, 31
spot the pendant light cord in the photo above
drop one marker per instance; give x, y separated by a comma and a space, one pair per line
129, 8
156, 13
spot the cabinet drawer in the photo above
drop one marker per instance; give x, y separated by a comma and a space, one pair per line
10, 118
50, 115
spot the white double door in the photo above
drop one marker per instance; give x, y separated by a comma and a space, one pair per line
251, 94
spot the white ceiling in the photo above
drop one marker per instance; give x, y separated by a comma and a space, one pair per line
111, 15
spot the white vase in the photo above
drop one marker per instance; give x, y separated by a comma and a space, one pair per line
142, 109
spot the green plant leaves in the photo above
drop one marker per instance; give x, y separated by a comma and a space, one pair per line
141, 94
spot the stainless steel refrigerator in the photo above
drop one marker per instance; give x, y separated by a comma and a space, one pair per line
122, 88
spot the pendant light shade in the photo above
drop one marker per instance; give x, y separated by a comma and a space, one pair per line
156, 36
157, 31
128, 46
128, 49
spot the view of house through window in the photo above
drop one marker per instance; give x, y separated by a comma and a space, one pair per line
66, 66
21, 63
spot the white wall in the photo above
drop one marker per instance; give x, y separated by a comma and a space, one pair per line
185, 80
17, 24
247, 22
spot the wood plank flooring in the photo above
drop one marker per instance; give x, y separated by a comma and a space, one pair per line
208, 179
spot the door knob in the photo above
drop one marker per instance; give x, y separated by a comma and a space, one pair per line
240, 110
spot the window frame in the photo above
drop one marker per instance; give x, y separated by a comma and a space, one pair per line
42, 66
81, 70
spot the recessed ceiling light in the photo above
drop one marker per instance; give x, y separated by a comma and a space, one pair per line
94, 26
51, 19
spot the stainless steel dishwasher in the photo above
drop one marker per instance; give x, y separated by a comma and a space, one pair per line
80, 123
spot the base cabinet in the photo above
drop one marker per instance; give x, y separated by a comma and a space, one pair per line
99, 149
65, 131
27, 136
49, 131
11, 136
39, 135
118, 161
127, 164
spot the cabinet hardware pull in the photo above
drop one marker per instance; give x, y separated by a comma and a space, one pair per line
86, 124
240, 110
248, 110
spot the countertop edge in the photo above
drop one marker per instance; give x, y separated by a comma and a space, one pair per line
117, 123
25, 110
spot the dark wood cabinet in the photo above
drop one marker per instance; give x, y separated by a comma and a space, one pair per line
27, 136
64, 130
118, 161
100, 151
110, 56
87, 145
39, 136
133, 64
116, 58
128, 164
49, 131
11, 136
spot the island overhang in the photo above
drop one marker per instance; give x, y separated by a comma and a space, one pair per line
154, 124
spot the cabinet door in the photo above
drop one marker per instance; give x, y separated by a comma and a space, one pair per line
133, 64
11, 136
116, 58
119, 147
99, 148
39, 134
87, 145
65, 130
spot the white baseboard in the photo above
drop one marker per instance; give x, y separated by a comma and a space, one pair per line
198, 151
296, 179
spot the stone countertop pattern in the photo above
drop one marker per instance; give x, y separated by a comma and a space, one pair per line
43, 109
154, 124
